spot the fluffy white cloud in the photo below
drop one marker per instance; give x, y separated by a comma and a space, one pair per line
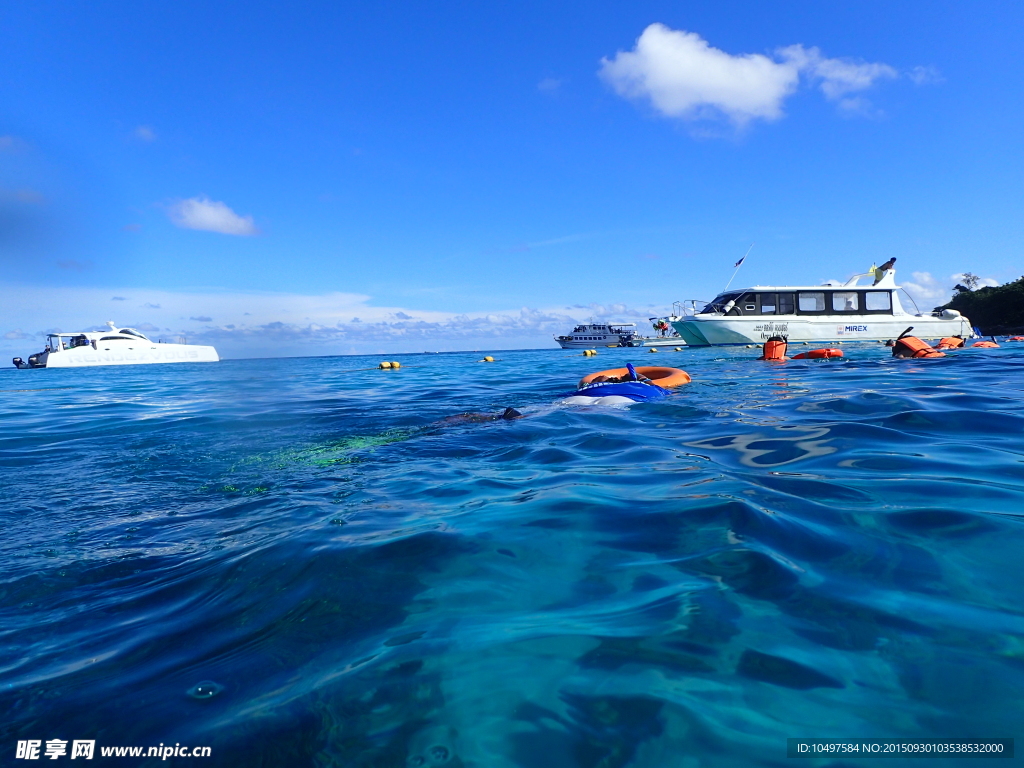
835, 77
210, 215
925, 288
683, 76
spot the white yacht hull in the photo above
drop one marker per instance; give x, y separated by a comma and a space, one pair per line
591, 343
144, 353
718, 330
659, 341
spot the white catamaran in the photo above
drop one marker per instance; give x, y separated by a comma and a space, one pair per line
865, 308
126, 346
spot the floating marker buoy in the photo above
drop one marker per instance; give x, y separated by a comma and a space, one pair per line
395, 364
487, 359
385, 364
652, 349
679, 349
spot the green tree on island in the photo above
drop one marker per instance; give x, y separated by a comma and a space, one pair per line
995, 310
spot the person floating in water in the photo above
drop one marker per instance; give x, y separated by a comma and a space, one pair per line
478, 417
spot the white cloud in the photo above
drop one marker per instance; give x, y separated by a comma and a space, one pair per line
210, 215
145, 133
925, 288
925, 76
683, 76
835, 77
549, 85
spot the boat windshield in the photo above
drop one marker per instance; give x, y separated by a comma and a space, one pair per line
719, 303
132, 332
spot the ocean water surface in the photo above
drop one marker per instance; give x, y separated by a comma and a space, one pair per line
309, 562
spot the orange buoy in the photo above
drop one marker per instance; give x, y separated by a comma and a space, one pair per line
985, 344
774, 349
663, 377
819, 354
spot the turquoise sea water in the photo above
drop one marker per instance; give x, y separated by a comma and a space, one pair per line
305, 562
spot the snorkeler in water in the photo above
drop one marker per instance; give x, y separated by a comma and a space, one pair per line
477, 417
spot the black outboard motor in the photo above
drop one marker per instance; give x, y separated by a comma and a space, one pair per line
19, 363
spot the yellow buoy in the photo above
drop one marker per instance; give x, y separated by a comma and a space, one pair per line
679, 349
487, 359
395, 364
385, 364
652, 349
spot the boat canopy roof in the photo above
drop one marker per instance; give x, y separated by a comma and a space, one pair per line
113, 331
888, 282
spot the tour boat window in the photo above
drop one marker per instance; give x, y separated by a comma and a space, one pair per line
845, 301
719, 303
811, 302
767, 303
786, 303
114, 338
878, 301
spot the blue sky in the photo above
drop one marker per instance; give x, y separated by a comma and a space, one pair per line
457, 176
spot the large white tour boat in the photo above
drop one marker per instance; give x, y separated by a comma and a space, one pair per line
126, 346
866, 307
613, 335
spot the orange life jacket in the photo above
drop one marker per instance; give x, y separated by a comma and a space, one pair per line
987, 344
774, 349
915, 346
950, 342
819, 354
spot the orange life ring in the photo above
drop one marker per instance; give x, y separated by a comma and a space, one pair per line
986, 344
819, 354
663, 377
915, 346
950, 342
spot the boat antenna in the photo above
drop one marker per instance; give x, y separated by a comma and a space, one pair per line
738, 264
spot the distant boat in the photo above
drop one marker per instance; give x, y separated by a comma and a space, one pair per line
593, 334
126, 346
865, 308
